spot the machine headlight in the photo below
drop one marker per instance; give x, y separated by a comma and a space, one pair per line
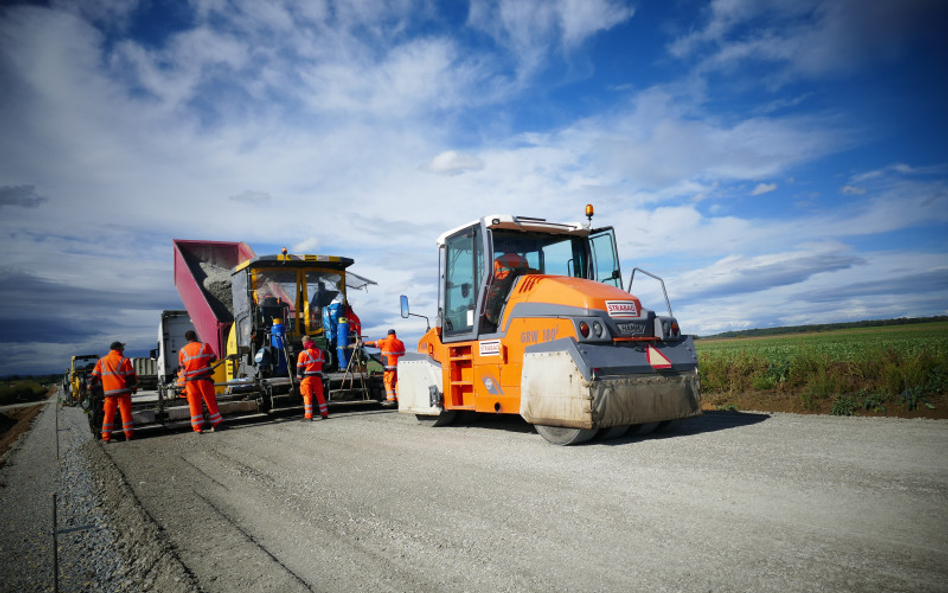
597, 329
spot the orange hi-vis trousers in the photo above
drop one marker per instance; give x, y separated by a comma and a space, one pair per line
390, 378
196, 392
124, 404
309, 386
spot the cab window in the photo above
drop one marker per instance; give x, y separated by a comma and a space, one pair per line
463, 261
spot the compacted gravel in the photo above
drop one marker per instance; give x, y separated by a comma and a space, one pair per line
106, 542
372, 501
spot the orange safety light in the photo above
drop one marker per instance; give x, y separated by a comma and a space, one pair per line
589, 212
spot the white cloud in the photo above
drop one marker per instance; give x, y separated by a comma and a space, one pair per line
810, 37
451, 162
763, 188
659, 140
533, 29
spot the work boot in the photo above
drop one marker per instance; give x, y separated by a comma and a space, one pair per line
220, 426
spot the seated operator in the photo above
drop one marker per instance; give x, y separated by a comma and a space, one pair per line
506, 269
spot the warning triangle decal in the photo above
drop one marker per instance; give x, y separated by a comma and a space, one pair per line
657, 359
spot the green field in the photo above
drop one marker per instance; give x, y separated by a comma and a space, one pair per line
880, 370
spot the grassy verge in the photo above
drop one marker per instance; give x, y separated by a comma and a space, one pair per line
890, 371
25, 390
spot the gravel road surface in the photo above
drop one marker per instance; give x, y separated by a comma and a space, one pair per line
373, 501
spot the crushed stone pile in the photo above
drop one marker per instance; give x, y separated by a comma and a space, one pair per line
217, 282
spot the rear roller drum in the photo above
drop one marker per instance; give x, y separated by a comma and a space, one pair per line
559, 435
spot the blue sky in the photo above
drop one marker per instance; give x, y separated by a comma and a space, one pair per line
778, 162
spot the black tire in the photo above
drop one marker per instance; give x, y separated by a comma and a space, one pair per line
96, 414
561, 436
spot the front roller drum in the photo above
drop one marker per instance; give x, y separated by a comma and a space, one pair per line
560, 435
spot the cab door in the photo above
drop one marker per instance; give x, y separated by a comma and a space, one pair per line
461, 277
605, 257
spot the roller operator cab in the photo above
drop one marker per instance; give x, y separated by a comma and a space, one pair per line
533, 320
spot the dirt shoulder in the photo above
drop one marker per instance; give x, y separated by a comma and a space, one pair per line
14, 422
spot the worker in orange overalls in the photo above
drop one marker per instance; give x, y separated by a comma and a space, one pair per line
119, 382
504, 266
309, 370
195, 360
392, 349
507, 263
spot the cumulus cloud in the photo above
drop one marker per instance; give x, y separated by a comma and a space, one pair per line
451, 162
763, 188
24, 196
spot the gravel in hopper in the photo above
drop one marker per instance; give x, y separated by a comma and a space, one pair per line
217, 282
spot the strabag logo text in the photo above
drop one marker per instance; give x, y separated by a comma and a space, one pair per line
622, 309
490, 348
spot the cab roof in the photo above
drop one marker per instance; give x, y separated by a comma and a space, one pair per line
306, 260
523, 223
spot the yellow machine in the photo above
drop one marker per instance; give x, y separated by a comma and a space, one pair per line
533, 320
78, 377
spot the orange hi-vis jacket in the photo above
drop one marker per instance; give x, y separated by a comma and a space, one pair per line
114, 370
392, 349
196, 359
310, 363
507, 263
